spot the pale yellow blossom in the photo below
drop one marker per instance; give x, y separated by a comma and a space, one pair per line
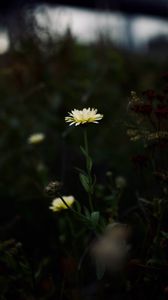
58, 204
87, 115
36, 138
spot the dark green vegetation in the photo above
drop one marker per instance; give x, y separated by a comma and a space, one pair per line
39, 84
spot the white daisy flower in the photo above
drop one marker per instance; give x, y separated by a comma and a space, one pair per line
79, 117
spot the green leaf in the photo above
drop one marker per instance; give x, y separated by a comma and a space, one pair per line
87, 212
95, 217
81, 171
89, 163
84, 151
85, 182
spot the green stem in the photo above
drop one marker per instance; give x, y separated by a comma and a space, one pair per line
88, 170
86, 141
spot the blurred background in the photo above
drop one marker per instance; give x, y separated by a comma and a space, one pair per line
133, 25
60, 55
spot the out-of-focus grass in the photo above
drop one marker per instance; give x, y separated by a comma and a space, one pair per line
38, 86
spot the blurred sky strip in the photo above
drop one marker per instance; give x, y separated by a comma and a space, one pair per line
129, 31
87, 25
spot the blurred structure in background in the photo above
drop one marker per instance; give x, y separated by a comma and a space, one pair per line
134, 25
4, 42
132, 32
